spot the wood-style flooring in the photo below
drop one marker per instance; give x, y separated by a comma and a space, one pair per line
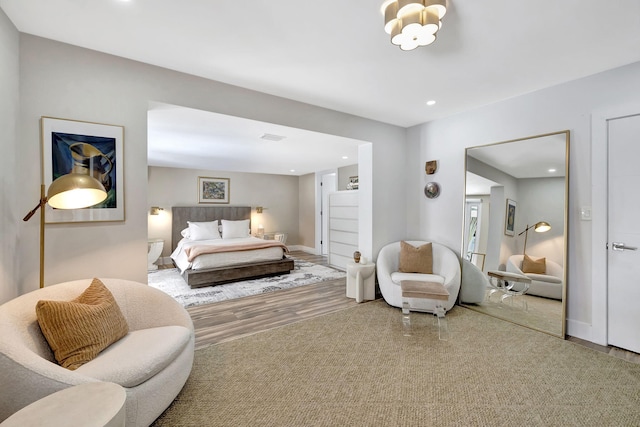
226, 320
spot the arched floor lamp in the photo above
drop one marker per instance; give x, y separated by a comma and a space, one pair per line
70, 191
539, 227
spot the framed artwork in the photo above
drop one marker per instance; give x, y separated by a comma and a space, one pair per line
213, 190
71, 146
510, 218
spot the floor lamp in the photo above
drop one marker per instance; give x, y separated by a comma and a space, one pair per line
70, 191
539, 227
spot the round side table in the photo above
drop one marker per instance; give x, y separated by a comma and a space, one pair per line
96, 404
361, 282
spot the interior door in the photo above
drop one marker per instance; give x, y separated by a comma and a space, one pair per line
623, 258
329, 184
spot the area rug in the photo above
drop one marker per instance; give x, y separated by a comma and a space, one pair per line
355, 368
305, 273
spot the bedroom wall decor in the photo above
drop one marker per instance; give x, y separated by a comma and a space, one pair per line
213, 190
432, 190
431, 167
93, 149
510, 218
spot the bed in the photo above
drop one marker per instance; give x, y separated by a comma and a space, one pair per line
204, 261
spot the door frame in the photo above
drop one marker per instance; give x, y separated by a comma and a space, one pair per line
600, 218
321, 216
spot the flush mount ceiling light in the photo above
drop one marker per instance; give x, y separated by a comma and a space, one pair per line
413, 23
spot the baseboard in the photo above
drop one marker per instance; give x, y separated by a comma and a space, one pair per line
306, 249
165, 260
581, 330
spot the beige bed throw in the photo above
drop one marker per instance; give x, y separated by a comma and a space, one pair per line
196, 250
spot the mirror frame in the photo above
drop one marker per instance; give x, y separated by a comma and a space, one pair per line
566, 227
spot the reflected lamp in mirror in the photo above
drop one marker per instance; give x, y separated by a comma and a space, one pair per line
155, 210
70, 191
538, 227
259, 209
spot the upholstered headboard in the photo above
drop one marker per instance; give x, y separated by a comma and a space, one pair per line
182, 214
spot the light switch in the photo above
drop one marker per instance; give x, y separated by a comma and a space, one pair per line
585, 213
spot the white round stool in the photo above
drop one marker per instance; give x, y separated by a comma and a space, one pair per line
155, 250
361, 282
96, 404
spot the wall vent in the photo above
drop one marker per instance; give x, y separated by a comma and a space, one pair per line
272, 137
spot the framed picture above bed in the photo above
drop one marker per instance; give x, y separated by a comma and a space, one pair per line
213, 190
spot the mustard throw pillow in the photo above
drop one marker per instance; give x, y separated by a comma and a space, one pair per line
79, 329
416, 260
538, 266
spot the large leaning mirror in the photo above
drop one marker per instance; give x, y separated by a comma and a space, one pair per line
514, 245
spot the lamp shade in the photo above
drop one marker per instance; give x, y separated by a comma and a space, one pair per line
542, 226
75, 191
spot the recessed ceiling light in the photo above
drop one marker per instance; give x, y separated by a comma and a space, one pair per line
552, 170
345, 157
430, 103
292, 170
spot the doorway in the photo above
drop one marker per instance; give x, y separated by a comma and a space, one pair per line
623, 229
603, 281
328, 184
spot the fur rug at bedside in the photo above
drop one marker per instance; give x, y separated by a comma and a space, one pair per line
304, 273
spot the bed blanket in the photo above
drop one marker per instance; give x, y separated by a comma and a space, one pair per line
196, 250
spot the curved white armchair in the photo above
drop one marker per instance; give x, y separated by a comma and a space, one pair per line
152, 362
474, 284
446, 270
548, 285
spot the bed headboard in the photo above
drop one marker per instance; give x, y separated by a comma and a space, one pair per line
182, 214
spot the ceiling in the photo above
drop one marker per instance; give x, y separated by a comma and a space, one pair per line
335, 54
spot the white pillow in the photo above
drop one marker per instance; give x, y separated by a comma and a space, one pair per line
185, 233
203, 230
234, 229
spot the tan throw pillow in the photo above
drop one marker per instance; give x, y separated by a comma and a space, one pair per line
78, 330
538, 266
416, 260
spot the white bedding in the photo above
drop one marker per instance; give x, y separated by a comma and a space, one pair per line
223, 259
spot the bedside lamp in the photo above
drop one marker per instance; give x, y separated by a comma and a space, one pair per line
70, 191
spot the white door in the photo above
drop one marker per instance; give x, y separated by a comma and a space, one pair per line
623, 287
329, 184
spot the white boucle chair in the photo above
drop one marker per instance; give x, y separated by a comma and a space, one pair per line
548, 285
446, 270
152, 362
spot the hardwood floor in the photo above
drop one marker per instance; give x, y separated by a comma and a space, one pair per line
226, 320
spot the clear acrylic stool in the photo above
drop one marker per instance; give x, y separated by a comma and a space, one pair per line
425, 290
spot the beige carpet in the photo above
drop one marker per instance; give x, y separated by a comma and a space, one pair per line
542, 313
356, 368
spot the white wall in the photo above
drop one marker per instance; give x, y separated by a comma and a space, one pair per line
566, 106
541, 199
307, 212
277, 194
64, 81
344, 173
10, 213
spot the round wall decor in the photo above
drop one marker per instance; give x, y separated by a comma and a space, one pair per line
432, 190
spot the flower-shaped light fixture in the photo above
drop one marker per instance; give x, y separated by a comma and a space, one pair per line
413, 23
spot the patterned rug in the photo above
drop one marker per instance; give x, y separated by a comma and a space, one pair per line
304, 273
